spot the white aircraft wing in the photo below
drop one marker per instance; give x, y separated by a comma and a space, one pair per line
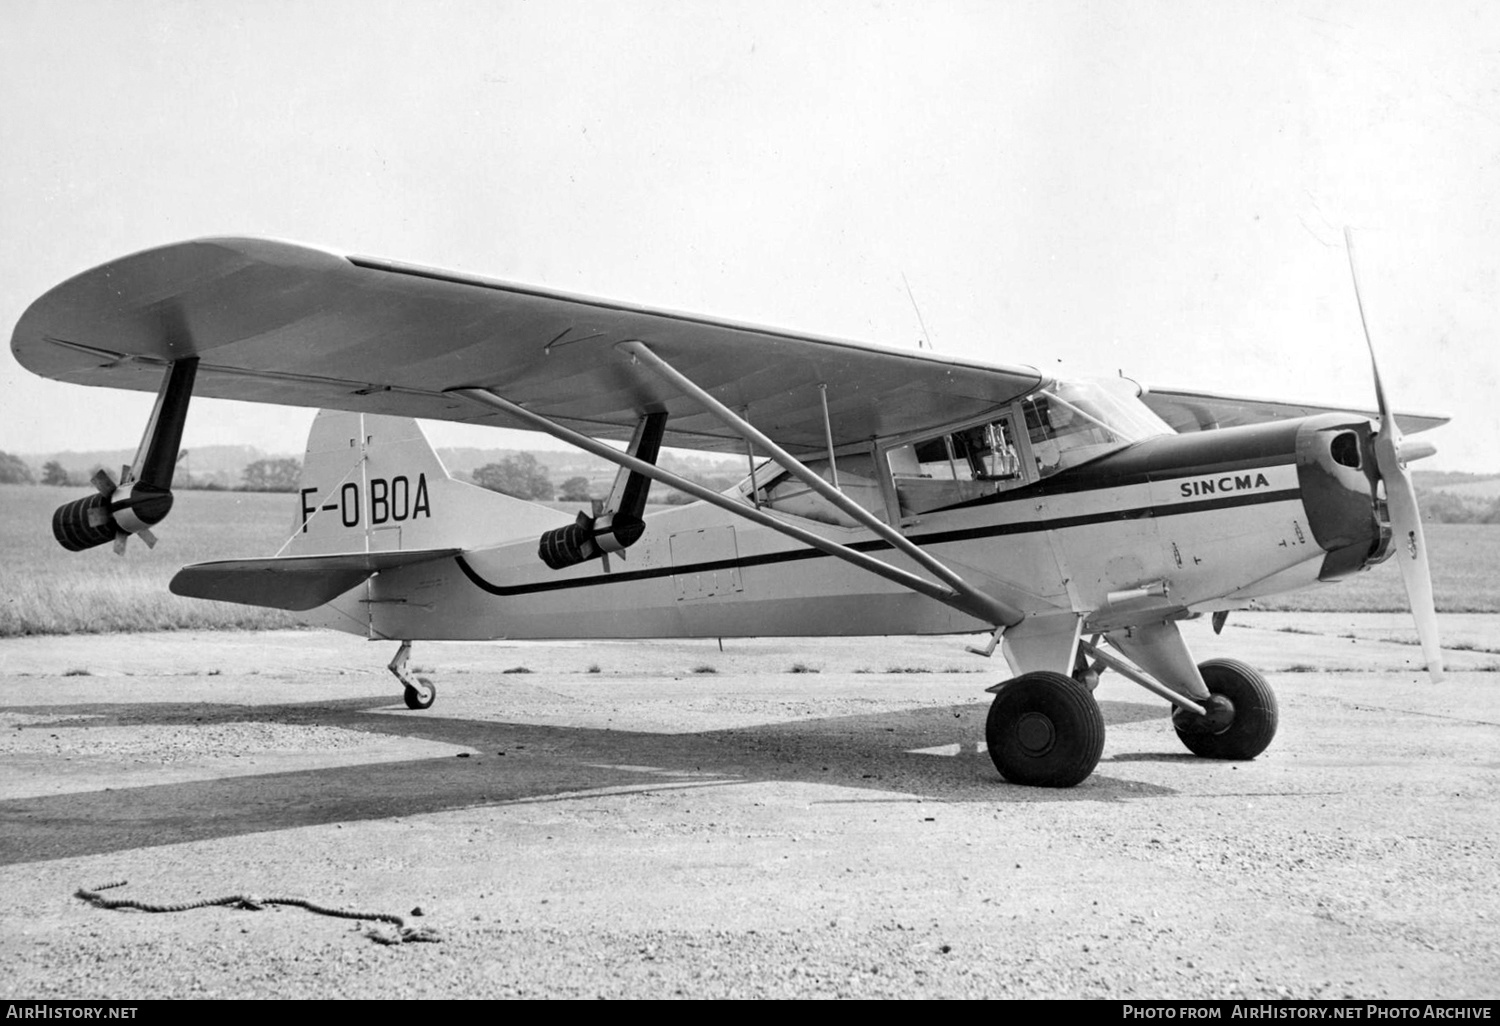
1203, 411
281, 323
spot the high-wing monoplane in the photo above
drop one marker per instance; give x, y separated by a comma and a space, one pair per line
885, 492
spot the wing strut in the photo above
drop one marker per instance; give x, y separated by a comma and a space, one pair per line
796, 467
968, 600
833, 464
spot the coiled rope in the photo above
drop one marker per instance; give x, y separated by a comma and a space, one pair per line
401, 934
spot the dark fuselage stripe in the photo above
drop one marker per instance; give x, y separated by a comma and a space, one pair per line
1088, 479
936, 538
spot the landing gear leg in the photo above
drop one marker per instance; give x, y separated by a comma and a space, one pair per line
1084, 672
419, 692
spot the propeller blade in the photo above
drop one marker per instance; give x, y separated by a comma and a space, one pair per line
1411, 551
103, 483
1401, 499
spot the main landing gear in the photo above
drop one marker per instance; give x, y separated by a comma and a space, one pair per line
419, 692
1045, 729
1240, 718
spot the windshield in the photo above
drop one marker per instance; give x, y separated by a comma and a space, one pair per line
1073, 422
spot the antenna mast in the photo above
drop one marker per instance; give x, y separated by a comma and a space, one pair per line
925, 337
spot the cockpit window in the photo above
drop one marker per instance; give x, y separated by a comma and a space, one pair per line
1065, 424
957, 467
990, 451
1074, 422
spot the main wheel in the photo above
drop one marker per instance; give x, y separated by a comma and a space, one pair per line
1250, 704
1045, 730
414, 698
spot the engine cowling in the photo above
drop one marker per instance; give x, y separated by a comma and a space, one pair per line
83, 523
589, 537
110, 513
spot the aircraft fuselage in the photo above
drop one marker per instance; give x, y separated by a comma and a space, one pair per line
1175, 524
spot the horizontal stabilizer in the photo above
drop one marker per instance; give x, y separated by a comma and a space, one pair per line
292, 582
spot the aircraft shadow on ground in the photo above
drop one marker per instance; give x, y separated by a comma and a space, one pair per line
540, 762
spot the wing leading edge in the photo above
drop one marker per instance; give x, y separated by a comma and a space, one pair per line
282, 323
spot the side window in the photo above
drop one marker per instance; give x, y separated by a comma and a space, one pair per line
940, 460
956, 468
780, 490
990, 451
1043, 434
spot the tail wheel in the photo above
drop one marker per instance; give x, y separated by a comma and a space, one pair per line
1044, 730
420, 698
1250, 704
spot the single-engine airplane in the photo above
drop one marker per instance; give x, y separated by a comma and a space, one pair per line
886, 492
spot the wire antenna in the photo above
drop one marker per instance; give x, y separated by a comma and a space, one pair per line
927, 339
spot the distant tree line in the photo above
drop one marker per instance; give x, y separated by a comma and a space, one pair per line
1449, 508
269, 475
13, 470
276, 475
713, 482
522, 476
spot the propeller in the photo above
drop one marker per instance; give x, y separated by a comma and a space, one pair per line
143, 495
102, 516
1391, 455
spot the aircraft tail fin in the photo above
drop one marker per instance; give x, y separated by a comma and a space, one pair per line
374, 496
374, 484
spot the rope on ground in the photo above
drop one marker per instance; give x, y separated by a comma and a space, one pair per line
399, 934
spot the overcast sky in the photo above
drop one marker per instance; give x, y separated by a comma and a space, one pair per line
1158, 188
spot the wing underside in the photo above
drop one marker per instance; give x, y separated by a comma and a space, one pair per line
281, 323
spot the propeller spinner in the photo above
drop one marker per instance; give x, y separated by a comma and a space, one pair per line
1391, 455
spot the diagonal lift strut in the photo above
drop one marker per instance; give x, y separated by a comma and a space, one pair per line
640, 351
968, 600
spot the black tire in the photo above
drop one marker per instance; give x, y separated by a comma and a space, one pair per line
1045, 730
1252, 704
414, 699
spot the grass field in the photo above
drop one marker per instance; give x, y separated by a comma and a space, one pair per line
1465, 578
47, 590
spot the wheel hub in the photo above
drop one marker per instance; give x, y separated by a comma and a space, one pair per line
1219, 717
1035, 733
